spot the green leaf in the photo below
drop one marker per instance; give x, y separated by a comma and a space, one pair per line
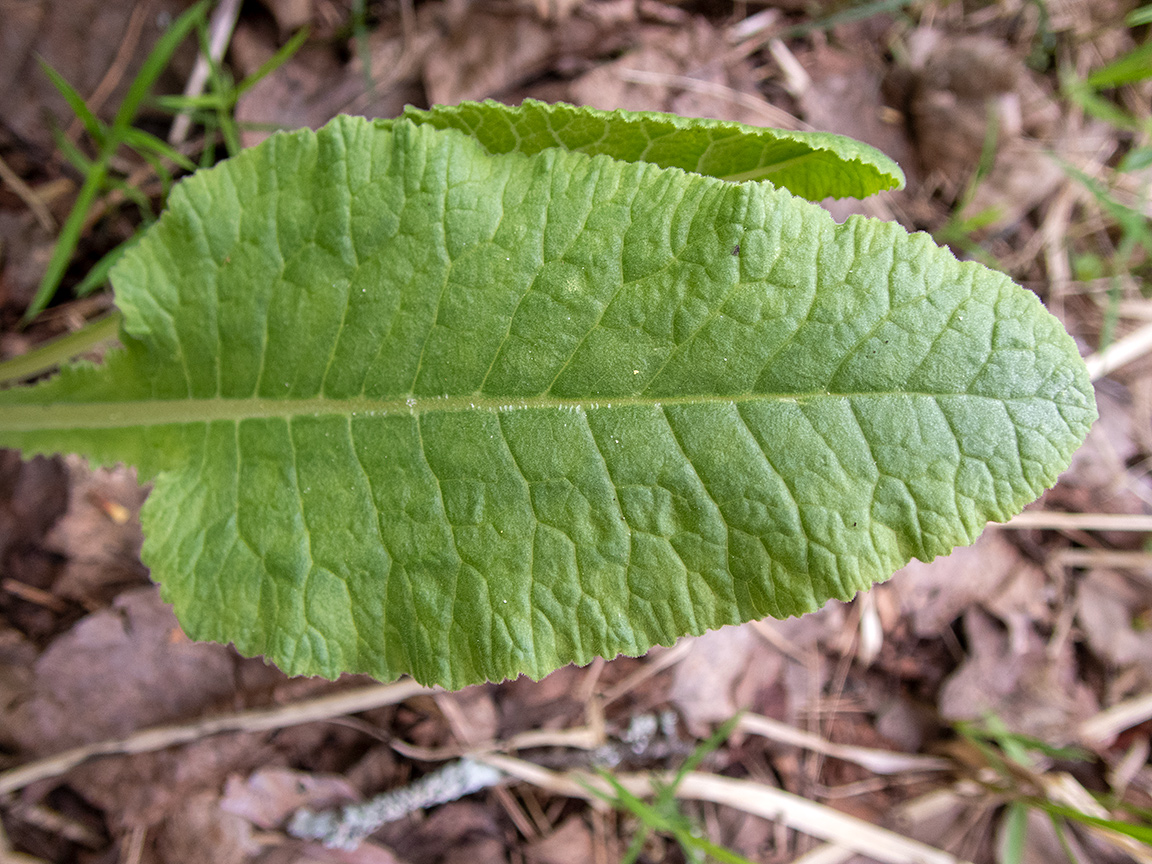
413, 407
813, 165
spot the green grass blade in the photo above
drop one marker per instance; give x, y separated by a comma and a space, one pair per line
857, 13
1139, 17
67, 240
223, 87
713, 742
75, 156
360, 36
98, 275
282, 55
95, 128
95, 178
1139, 832
1134, 66
180, 104
1062, 838
145, 142
1015, 834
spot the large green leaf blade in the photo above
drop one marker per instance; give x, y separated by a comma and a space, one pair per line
411, 407
813, 165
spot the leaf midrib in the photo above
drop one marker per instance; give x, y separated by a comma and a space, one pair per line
162, 412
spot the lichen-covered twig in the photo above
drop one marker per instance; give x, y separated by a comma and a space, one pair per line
346, 827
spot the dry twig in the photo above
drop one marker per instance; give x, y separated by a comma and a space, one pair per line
264, 719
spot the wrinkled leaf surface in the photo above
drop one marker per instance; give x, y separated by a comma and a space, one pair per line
412, 406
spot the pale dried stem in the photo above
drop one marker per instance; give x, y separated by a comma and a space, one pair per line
1052, 520
875, 760
799, 814
219, 34
1101, 729
1121, 352
580, 738
653, 666
1118, 559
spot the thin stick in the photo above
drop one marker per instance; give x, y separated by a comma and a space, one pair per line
651, 667
1102, 729
28, 195
32, 594
875, 760
578, 738
124, 53
260, 720
1119, 559
133, 845
829, 853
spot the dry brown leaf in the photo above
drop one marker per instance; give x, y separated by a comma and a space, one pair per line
1013, 675
547, 703
17, 656
954, 83
298, 94
704, 682
267, 797
314, 85
1097, 481
465, 828
118, 670
934, 594
33, 495
484, 54
198, 831
313, 853
27, 249
844, 96
685, 70
471, 713
1088, 19
80, 40
1112, 612
139, 791
487, 53
1023, 176
290, 15
99, 534
571, 843
478, 850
